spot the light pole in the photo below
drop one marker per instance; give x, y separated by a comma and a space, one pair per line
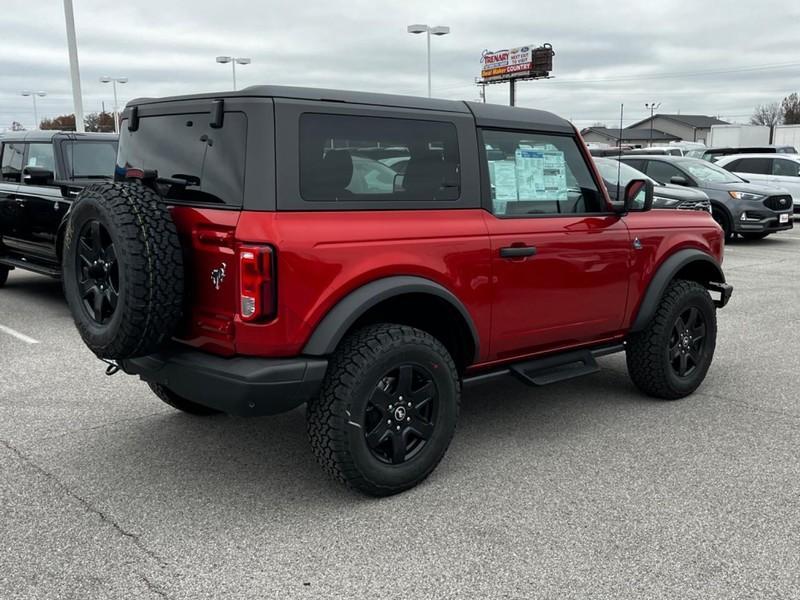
114, 81
35, 112
652, 107
437, 30
234, 61
74, 70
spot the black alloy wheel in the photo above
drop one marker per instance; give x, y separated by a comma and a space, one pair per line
98, 272
400, 415
687, 342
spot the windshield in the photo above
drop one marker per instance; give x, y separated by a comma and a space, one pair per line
90, 159
705, 172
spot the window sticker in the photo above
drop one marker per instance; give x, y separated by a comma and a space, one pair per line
504, 178
541, 174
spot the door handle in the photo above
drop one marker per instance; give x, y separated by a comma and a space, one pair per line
517, 251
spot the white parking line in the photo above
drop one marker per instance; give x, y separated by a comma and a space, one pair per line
18, 335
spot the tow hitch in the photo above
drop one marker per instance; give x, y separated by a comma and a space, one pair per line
112, 368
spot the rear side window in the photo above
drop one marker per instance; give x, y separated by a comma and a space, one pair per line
355, 158
12, 161
196, 164
757, 166
41, 155
86, 159
785, 168
538, 174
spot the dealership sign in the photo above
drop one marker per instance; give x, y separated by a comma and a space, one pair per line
513, 63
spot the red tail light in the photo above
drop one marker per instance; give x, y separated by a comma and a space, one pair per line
256, 283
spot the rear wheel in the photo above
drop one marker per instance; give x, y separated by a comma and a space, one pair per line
179, 402
387, 410
671, 357
3, 275
754, 236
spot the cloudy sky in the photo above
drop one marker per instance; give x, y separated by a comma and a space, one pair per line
718, 58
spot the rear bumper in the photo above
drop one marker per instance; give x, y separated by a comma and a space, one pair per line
241, 386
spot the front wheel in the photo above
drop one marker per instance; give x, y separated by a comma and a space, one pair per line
671, 357
724, 221
3, 275
387, 410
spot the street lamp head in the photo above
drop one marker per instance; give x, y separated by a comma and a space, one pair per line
418, 28
122, 80
440, 30
224, 59
243, 61
105, 79
26, 93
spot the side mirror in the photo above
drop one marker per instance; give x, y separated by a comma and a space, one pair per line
638, 195
679, 180
37, 176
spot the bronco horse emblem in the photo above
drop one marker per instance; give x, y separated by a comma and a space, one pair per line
218, 275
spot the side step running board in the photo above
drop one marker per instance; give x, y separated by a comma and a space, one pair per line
30, 266
543, 371
551, 369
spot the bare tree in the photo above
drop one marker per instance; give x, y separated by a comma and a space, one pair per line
769, 115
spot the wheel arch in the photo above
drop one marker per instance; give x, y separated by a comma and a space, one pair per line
405, 300
690, 264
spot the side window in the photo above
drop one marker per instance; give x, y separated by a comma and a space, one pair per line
12, 161
757, 166
41, 155
352, 158
636, 163
662, 171
785, 168
536, 173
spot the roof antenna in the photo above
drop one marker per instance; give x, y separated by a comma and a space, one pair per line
619, 148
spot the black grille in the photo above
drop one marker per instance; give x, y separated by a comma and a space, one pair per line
778, 202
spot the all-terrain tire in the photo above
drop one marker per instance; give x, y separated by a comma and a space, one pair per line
648, 352
337, 417
149, 261
3, 275
181, 403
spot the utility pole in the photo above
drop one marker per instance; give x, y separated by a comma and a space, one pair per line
512, 92
74, 69
653, 106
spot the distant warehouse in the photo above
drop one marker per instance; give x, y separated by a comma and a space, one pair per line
665, 129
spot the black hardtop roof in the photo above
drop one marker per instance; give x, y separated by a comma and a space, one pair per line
48, 135
488, 115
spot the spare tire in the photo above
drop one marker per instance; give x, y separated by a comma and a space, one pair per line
123, 270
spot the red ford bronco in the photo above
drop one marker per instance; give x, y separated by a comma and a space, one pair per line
366, 255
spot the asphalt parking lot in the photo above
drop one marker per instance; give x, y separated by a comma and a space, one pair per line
578, 490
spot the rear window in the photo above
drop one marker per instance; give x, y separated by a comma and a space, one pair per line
351, 158
90, 159
195, 163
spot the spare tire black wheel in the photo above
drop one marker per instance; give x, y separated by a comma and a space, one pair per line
123, 270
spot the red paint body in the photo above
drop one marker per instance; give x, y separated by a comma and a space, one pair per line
583, 286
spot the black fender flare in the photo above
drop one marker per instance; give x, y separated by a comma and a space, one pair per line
333, 327
666, 273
